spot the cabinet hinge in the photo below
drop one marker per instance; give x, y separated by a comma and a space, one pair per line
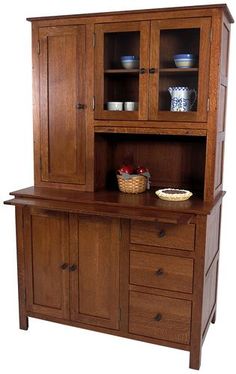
38, 47
93, 103
94, 40
208, 104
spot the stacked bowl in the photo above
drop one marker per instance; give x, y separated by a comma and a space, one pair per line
129, 62
184, 60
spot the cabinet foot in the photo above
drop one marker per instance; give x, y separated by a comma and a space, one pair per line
195, 360
24, 323
214, 318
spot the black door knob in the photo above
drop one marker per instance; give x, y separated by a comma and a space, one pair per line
152, 70
64, 266
80, 106
73, 267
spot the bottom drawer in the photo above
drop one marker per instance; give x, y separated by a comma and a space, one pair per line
160, 317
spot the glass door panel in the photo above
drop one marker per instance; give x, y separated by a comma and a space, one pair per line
121, 71
178, 89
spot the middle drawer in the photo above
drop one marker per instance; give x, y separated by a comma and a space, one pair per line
161, 271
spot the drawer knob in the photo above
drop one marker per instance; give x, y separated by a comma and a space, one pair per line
159, 272
64, 266
158, 317
162, 233
73, 267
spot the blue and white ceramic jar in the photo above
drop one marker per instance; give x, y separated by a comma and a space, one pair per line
182, 98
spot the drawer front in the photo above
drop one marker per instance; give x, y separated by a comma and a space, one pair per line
160, 317
163, 234
161, 271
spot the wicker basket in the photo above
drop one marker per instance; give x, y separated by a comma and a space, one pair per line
136, 184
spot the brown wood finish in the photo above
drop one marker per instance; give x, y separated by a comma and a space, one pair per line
104, 61
23, 319
160, 317
163, 235
62, 89
161, 271
180, 12
162, 52
113, 198
88, 255
124, 275
46, 261
222, 101
198, 286
173, 161
95, 282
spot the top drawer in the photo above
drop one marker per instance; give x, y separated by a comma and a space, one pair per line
178, 236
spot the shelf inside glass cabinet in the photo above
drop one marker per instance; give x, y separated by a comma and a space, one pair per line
121, 77
178, 84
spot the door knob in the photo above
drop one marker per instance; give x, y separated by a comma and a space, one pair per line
152, 70
64, 266
73, 267
80, 106
142, 71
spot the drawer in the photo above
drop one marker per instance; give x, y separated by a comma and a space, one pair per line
163, 234
160, 317
161, 271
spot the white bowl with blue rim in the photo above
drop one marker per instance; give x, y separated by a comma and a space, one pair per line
129, 62
184, 60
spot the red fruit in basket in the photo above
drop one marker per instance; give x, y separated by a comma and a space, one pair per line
128, 169
141, 170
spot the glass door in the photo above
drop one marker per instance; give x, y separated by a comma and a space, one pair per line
121, 70
178, 69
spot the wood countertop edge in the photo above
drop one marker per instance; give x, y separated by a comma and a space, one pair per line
108, 208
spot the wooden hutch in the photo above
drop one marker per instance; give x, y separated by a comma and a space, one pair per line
93, 257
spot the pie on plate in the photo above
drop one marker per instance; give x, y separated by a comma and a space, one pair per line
173, 194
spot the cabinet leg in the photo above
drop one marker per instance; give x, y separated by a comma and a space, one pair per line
214, 317
23, 322
195, 359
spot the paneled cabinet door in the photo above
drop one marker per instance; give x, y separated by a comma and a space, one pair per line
118, 79
95, 273
46, 236
178, 89
62, 104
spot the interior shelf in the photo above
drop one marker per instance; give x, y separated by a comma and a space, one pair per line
121, 71
178, 70
173, 160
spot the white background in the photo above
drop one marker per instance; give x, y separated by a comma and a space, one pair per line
51, 348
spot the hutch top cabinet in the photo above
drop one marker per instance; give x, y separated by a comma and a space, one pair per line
107, 91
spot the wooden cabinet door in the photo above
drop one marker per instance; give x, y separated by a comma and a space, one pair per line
46, 248
113, 81
169, 38
95, 281
62, 100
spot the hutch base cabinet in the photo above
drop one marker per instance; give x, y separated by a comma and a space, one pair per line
89, 255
